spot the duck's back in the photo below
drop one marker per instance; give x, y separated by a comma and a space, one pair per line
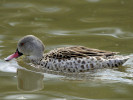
80, 59
78, 52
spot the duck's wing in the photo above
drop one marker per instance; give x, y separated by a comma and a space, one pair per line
78, 52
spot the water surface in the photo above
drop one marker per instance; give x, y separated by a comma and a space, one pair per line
101, 24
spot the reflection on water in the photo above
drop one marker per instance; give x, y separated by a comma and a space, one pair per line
29, 80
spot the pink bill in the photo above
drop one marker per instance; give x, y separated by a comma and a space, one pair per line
15, 55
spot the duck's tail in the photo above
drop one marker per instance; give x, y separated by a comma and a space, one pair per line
117, 60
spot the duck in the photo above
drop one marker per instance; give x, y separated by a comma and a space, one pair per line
66, 59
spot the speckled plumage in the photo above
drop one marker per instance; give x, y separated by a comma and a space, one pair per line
79, 59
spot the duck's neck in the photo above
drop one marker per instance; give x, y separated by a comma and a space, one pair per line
34, 59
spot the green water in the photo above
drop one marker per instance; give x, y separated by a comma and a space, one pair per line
101, 24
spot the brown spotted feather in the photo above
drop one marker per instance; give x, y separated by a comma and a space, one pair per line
77, 52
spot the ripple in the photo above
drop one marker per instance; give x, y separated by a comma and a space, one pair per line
17, 5
33, 7
93, 0
13, 23
114, 76
93, 20
49, 9
24, 96
47, 96
27, 24
108, 31
59, 32
43, 19
9, 66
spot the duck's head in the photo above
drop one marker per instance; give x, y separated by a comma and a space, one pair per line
30, 46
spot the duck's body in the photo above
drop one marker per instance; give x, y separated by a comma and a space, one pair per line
79, 59
67, 59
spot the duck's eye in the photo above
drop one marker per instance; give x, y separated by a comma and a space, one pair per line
22, 44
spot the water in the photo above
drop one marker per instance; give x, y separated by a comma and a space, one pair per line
101, 24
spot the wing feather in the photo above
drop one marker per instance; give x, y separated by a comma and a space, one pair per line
77, 52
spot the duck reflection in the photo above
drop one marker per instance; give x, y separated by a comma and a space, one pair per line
29, 80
